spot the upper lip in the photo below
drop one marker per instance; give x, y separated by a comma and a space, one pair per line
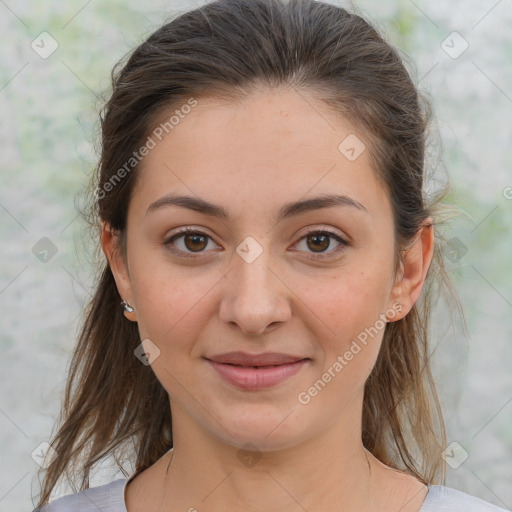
263, 359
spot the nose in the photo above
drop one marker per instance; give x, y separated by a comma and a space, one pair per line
255, 298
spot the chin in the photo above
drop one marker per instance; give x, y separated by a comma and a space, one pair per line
264, 430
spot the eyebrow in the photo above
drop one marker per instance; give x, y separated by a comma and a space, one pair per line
287, 211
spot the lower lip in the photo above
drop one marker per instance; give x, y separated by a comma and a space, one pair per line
250, 378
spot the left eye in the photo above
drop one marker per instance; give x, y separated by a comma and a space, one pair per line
321, 240
197, 241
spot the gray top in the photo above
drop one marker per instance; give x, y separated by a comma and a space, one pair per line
110, 498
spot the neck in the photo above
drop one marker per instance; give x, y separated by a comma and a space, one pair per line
331, 471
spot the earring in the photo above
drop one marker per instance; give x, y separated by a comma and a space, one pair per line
397, 307
127, 307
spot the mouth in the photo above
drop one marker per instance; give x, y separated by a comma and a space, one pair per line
256, 371
264, 359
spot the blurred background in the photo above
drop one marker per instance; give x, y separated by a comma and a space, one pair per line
56, 59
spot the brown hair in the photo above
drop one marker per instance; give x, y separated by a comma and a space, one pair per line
225, 49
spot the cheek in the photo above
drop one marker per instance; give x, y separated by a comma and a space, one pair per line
351, 301
172, 312
172, 303
351, 308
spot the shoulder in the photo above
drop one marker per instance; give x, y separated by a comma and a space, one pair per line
107, 498
441, 498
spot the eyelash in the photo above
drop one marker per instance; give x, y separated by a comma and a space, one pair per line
188, 231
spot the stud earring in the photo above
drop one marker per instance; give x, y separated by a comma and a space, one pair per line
397, 308
127, 308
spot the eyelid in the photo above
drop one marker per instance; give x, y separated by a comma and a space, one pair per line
324, 229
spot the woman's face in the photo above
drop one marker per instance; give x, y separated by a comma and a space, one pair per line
254, 281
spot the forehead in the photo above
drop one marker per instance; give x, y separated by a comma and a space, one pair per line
273, 144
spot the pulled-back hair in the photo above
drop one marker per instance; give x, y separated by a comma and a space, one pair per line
225, 49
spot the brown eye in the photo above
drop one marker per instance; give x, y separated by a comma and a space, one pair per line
191, 241
320, 240
195, 242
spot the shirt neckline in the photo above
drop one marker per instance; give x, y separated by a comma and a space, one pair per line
426, 501
428, 497
123, 491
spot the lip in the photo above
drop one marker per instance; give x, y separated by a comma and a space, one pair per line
263, 359
256, 371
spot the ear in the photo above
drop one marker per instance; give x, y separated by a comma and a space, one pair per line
416, 262
118, 267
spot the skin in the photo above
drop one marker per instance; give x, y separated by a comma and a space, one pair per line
252, 157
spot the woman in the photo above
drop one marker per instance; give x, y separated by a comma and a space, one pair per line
260, 206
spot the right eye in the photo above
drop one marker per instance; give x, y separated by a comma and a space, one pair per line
191, 240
